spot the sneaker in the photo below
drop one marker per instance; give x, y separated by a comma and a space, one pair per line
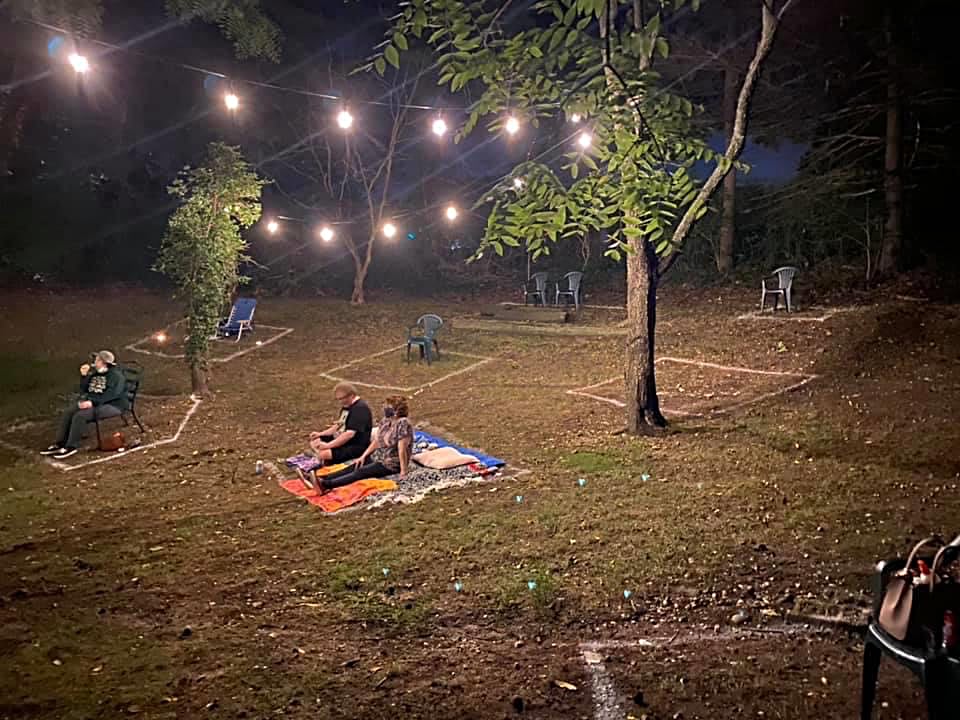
65, 452
52, 450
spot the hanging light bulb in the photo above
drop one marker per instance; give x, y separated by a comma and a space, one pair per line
512, 125
389, 230
326, 233
344, 120
584, 140
439, 127
272, 227
231, 101
575, 118
518, 183
78, 63
452, 213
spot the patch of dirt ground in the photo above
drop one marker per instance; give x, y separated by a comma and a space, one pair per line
175, 582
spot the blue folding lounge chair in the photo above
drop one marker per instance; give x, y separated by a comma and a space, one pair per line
424, 335
240, 320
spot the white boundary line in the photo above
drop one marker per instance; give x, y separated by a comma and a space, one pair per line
806, 378
608, 701
828, 313
416, 389
283, 331
64, 467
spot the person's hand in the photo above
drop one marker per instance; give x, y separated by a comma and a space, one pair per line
85, 368
320, 446
314, 435
360, 461
84, 404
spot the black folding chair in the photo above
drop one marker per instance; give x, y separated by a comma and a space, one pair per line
133, 374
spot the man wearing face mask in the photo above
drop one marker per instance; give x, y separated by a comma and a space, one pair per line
102, 395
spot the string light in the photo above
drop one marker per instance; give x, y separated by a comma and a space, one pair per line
452, 213
160, 337
344, 120
518, 183
584, 140
575, 118
272, 227
231, 101
79, 63
389, 230
326, 233
439, 127
512, 125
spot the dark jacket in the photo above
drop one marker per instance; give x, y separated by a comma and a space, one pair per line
109, 388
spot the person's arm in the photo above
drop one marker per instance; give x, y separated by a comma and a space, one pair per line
341, 439
332, 430
403, 448
374, 442
116, 386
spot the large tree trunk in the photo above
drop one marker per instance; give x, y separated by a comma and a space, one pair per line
643, 406
892, 243
728, 218
198, 380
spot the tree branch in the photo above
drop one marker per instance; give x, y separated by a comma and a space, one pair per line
769, 24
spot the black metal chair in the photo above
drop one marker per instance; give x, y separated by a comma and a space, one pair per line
133, 374
939, 674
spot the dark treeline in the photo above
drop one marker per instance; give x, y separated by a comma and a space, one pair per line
860, 87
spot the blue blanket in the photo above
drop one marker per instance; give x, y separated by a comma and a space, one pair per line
421, 437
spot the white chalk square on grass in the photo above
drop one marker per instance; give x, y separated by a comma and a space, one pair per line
339, 373
797, 380
257, 338
78, 461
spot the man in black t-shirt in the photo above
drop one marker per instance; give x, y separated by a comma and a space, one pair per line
349, 437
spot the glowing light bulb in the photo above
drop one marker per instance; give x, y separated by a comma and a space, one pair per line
575, 118
439, 127
231, 101
584, 140
344, 120
518, 183
389, 230
326, 234
272, 227
160, 337
452, 213
512, 125
78, 62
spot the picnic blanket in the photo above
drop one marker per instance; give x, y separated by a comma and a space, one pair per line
340, 498
304, 462
426, 439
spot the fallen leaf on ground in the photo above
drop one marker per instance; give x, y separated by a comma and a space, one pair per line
564, 685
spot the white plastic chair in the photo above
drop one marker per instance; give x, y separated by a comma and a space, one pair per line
572, 281
784, 277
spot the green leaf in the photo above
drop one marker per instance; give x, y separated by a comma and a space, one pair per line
400, 41
392, 56
535, 51
663, 47
380, 64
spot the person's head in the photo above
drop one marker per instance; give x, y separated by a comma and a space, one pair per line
103, 361
396, 406
345, 393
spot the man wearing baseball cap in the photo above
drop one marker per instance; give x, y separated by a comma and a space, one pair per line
102, 395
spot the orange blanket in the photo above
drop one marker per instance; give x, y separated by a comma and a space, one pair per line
341, 497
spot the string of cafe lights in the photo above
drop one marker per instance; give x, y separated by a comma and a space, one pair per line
344, 117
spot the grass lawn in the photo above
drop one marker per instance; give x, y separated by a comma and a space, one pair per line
176, 583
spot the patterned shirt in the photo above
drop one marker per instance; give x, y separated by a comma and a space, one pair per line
389, 434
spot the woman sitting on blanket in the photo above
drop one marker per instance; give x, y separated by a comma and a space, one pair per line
388, 453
